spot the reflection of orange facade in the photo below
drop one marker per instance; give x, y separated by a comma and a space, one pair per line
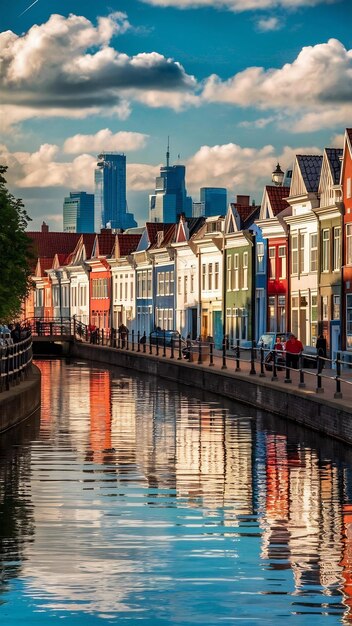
346, 562
50, 370
277, 478
100, 414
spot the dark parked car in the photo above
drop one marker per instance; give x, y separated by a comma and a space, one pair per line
159, 334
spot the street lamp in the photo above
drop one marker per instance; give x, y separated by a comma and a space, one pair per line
277, 176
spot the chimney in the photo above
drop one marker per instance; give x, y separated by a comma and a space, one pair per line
243, 200
45, 228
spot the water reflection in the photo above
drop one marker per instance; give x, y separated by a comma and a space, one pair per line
139, 502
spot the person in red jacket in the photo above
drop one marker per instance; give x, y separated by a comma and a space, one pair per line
294, 347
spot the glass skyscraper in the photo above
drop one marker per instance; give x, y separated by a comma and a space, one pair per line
110, 193
214, 200
78, 212
170, 196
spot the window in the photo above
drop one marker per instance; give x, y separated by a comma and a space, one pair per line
39, 297
282, 314
336, 307
192, 282
325, 265
272, 314
204, 270
179, 285
229, 273
149, 284
245, 271
210, 276
294, 253
294, 315
235, 272
185, 282
349, 244
272, 264
302, 239
216, 277
349, 320
349, 188
337, 248
325, 308
167, 284
260, 257
313, 266
282, 262
314, 320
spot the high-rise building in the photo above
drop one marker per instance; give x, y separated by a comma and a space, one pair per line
214, 199
110, 193
170, 196
198, 209
78, 212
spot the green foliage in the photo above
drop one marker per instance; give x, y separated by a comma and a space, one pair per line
15, 253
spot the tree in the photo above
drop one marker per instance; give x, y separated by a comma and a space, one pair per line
15, 253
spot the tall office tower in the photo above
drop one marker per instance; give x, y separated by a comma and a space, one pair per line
198, 209
215, 200
170, 196
110, 193
78, 212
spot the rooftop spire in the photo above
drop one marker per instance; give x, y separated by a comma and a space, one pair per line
168, 152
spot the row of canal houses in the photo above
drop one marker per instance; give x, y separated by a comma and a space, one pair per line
285, 265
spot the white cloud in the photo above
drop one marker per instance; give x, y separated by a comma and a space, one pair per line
105, 140
244, 170
261, 122
67, 67
337, 141
269, 24
238, 5
313, 91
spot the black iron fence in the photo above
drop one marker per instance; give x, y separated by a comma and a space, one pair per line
15, 360
276, 365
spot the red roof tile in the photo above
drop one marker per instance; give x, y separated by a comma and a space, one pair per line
276, 197
48, 244
106, 244
127, 243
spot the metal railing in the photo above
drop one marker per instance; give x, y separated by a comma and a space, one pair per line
15, 361
276, 364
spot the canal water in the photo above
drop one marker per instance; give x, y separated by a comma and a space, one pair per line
134, 501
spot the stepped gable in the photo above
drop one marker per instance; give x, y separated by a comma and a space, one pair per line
127, 243
310, 167
277, 197
334, 156
47, 244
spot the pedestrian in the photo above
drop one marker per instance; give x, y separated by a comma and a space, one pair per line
321, 352
123, 331
294, 348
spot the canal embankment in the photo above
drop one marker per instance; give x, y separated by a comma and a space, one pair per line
318, 411
20, 401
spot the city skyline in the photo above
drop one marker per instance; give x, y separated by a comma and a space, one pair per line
78, 80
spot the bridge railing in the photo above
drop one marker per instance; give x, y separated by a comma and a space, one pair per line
15, 361
49, 327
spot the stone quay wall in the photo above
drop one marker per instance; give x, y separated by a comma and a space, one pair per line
20, 401
313, 411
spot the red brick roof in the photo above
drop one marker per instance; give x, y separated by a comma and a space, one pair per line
276, 197
106, 244
48, 244
243, 210
127, 244
169, 231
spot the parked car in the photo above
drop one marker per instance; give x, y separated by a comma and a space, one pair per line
159, 334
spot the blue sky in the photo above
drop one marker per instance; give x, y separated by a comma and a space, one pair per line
237, 84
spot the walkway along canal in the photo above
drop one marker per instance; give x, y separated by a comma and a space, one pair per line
136, 500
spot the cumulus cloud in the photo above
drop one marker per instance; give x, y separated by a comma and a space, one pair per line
239, 168
105, 140
67, 66
314, 91
238, 5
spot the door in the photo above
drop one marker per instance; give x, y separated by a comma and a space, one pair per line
217, 326
193, 325
335, 342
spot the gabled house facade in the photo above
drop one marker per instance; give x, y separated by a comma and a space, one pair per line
346, 185
162, 256
209, 246
240, 281
78, 271
187, 274
303, 244
100, 281
123, 280
276, 254
330, 217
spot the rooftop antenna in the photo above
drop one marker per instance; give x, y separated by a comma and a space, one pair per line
168, 152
